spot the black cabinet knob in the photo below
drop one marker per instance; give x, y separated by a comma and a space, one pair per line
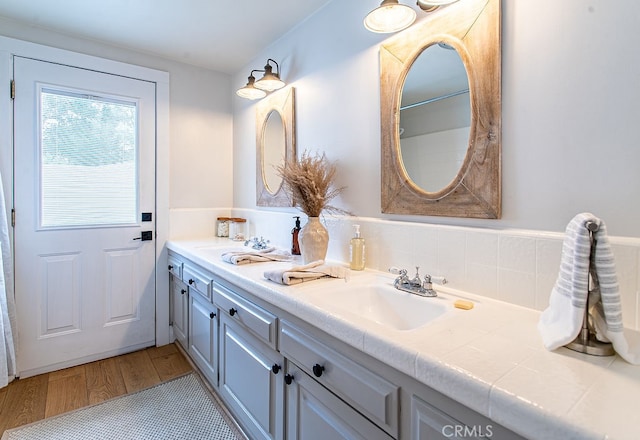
212, 315
232, 311
170, 267
191, 281
183, 291
288, 378
276, 368
317, 370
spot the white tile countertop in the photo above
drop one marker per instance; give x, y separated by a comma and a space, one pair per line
489, 358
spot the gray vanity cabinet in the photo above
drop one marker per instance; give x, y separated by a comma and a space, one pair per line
203, 336
314, 413
251, 380
179, 296
251, 369
286, 380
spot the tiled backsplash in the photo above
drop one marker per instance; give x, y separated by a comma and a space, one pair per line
515, 266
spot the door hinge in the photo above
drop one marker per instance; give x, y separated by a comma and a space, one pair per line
13, 218
13, 89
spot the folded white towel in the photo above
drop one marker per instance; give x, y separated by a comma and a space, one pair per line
312, 271
562, 321
254, 256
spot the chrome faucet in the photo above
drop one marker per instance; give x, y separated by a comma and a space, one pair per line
415, 285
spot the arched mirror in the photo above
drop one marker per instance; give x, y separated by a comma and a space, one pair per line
440, 114
275, 144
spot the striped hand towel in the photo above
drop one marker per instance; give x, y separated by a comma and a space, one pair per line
562, 321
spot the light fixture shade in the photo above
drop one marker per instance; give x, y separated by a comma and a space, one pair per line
251, 92
270, 81
426, 4
389, 17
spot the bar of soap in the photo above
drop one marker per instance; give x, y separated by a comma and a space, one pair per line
462, 304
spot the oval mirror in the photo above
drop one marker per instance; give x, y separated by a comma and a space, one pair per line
273, 151
435, 118
275, 144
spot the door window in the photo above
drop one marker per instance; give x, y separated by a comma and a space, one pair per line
88, 159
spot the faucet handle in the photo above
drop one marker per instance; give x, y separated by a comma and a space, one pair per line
396, 271
437, 280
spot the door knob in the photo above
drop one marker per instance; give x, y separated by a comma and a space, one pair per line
288, 378
317, 370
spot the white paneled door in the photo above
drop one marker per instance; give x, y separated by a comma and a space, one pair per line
84, 198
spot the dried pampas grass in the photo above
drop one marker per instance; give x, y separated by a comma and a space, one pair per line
309, 183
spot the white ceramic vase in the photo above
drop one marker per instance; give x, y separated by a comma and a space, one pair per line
314, 240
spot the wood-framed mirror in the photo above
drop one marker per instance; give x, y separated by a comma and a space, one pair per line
275, 144
469, 29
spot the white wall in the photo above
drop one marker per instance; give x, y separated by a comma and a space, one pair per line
569, 117
570, 114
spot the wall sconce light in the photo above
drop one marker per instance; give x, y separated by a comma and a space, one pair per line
391, 16
250, 91
268, 83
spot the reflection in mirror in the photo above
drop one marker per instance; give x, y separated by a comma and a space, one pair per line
470, 185
273, 150
435, 117
275, 144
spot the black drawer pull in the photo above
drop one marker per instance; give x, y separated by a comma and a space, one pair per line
317, 370
232, 311
276, 368
212, 315
192, 281
170, 267
288, 378
183, 291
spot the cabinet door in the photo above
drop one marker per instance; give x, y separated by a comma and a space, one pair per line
251, 380
203, 336
314, 413
179, 294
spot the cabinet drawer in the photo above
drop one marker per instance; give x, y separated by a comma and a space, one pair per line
260, 322
369, 393
175, 266
197, 281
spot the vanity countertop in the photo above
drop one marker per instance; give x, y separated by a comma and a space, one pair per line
489, 358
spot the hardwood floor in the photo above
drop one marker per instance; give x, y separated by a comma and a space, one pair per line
35, 398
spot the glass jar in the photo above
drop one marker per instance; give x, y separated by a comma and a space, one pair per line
222, 226
238, 229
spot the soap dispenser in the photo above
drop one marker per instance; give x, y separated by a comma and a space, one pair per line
356, 250
295, 246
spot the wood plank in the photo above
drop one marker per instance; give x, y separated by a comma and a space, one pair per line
171, 365
138, 371
25, 402
155, 352
104, 381
67, 390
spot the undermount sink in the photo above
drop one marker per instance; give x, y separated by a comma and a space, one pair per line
382, 304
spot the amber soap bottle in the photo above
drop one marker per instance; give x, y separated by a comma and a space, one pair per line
295, 246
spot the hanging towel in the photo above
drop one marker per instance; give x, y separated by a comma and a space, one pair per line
562, 321
254, 256
312, 271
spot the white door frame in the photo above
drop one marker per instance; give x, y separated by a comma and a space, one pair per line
10, 47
